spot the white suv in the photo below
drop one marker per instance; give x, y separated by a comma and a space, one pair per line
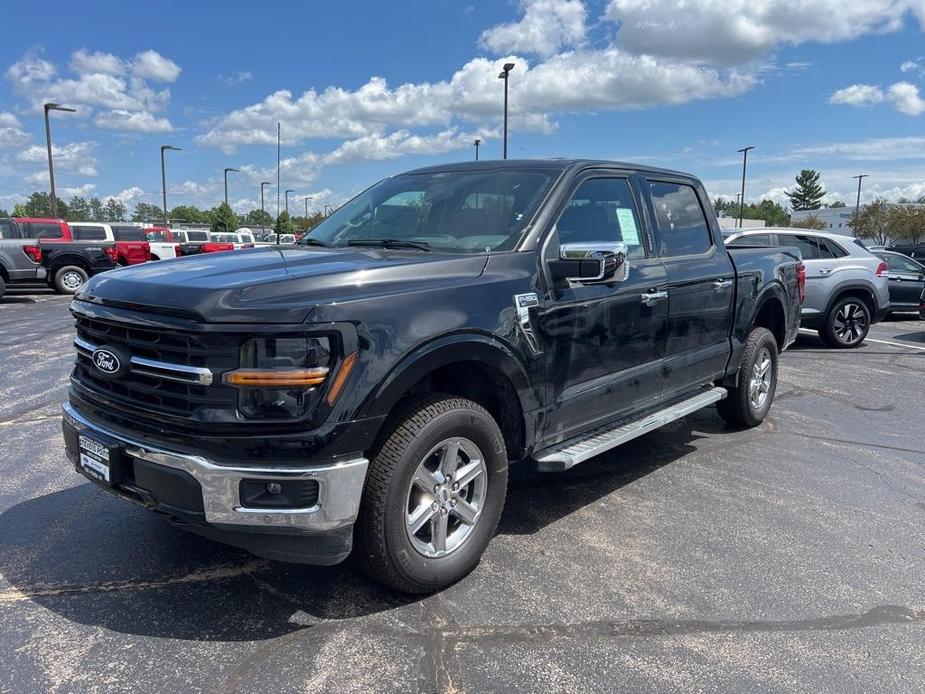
847, 289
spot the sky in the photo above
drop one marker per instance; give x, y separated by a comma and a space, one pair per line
364, 89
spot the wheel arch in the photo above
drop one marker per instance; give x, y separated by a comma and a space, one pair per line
769, 313
859, 290
474, 366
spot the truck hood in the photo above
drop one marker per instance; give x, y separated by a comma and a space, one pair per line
269, 285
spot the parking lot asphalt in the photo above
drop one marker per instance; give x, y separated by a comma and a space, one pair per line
699, 557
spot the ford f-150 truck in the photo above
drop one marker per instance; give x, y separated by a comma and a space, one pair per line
367, 388
20, 259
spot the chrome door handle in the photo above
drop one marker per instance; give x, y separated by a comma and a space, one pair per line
652, 298
722, 284
825, 270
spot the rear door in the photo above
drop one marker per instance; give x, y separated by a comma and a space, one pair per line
822, 272
701, 284
604, 342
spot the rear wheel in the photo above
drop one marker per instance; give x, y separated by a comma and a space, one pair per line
847, 324
749, 402
2, 287
67, 279
433, 495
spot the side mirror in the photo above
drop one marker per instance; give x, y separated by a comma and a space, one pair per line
588, 262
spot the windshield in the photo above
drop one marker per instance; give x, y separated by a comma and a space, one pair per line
156, 235
456, 212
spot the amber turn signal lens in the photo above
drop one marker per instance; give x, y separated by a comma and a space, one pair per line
338, 385
276, 378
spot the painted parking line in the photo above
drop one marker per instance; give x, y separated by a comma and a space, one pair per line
807, 331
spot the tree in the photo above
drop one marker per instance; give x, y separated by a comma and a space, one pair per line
78, 210
810, 222
906, 223
146, 212
838, 203
872, 222
96, 210
4, 213
224, 219
768, 210
189, 214
808, 193
283, 223
259, 218
19, 211
39, 205
114, 210
308, 223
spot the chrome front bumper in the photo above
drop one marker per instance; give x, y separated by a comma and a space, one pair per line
340, 485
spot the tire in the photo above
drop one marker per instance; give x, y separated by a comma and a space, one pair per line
2, 287
67, 279
395, 494
748, 403
847, 324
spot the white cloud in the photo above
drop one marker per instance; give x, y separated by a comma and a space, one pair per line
874, 149
905, 97
151, 65
592, 79
71, 191
75, 157
547, 26
84, 62
11, 132
29, 70
858, 95
397, 144
136, 121
735, 31
236, 78
129, 196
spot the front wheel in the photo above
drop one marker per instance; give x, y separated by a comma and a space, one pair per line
847, 324
433, 496
749, 402
67, 280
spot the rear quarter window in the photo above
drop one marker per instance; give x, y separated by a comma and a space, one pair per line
129, 234
88, 232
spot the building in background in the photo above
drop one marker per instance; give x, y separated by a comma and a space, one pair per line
836, 219
733, 223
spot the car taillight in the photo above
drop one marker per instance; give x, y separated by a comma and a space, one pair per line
882, 270
176, 250
34, 253
801, 282
112, 253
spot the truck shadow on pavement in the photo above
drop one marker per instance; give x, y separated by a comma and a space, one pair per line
93, 559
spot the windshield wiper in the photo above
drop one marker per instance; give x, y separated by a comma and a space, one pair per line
308, 241
390, 243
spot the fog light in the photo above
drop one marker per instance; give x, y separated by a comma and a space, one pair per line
274, 488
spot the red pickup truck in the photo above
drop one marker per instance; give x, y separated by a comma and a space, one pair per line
131, 246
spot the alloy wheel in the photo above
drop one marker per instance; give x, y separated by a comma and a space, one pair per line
850, 324
759, 383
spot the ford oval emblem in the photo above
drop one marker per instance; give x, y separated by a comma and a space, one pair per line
106, 361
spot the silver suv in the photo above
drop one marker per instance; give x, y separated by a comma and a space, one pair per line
846, 286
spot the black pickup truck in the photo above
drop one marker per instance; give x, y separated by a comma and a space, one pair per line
370, 385
71, 263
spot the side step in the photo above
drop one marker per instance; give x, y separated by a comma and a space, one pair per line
569, 453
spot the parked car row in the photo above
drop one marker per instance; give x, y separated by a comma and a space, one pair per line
65, 254
848, 287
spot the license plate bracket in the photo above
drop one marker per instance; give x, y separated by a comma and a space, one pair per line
98, 459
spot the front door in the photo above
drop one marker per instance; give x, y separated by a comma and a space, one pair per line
604, 341
701, 286
906, 280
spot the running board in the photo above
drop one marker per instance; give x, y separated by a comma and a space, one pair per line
597, 441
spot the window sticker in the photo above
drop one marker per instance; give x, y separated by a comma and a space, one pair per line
628, 226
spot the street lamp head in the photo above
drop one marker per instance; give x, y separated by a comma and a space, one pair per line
230, 169
746, 149
265, 183
169, 148
51, 106
505, 71
290, 190
508, 67
477, 141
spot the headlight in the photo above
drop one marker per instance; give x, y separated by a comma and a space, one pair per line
280, 377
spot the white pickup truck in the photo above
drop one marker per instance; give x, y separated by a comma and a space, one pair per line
163, 245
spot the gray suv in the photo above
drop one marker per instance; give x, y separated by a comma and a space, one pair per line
846, 286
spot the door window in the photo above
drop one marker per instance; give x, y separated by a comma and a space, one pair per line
603, 210
812, 247
89, 233
8, 229
129, 234
899, 264
680, 221
39, 230
753, 240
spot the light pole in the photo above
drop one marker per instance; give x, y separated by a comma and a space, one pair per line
226, 183
477, 142
505, 74
51, 167
857, 205
744, 152
262, 213
279, 233
306, 206
164, 148
290, 190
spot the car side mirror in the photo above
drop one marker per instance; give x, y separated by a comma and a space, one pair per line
590, 262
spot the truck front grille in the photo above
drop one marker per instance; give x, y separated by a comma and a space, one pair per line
170, 372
